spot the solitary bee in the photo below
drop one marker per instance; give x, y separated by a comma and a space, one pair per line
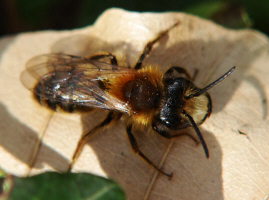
166, 102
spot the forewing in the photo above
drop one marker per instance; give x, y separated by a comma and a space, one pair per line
72, 79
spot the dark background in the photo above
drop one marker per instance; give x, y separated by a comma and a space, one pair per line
30, 15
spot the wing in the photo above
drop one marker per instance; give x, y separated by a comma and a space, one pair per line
73, 79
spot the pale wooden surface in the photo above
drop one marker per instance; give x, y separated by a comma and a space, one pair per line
238, 166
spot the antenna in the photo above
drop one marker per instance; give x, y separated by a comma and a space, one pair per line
212, 84
197, 132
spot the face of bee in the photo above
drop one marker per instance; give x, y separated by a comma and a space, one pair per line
176, 101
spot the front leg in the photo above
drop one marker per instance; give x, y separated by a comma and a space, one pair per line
181, 72
161, 130
148, 47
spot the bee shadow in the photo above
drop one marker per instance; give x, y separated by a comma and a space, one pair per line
192, 171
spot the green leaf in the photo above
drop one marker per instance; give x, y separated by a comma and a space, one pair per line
65, 186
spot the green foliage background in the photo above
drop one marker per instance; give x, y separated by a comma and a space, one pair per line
28, 15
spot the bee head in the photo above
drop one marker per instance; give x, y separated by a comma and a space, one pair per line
179, 100
184, 105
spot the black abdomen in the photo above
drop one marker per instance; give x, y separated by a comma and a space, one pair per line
53, 94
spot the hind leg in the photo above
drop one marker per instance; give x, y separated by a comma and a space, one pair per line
111, 115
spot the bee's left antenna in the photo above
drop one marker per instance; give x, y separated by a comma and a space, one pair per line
212, 84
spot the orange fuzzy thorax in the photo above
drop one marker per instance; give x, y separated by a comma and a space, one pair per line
151, 81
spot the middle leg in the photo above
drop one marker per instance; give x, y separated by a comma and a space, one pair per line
136, 149
113, 59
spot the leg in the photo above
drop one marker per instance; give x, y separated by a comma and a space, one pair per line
159, 127
112, 58
111, 115
181, 71
195, 74
165, 134
148, 47
135, 147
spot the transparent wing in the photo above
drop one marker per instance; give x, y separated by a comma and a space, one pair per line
73, 79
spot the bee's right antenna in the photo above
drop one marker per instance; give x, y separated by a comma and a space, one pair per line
212, 84
197, 132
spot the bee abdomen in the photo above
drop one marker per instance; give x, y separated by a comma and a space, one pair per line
53, 104
62, 106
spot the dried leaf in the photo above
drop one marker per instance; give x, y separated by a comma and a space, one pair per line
34, 140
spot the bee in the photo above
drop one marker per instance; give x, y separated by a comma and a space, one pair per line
147, 97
